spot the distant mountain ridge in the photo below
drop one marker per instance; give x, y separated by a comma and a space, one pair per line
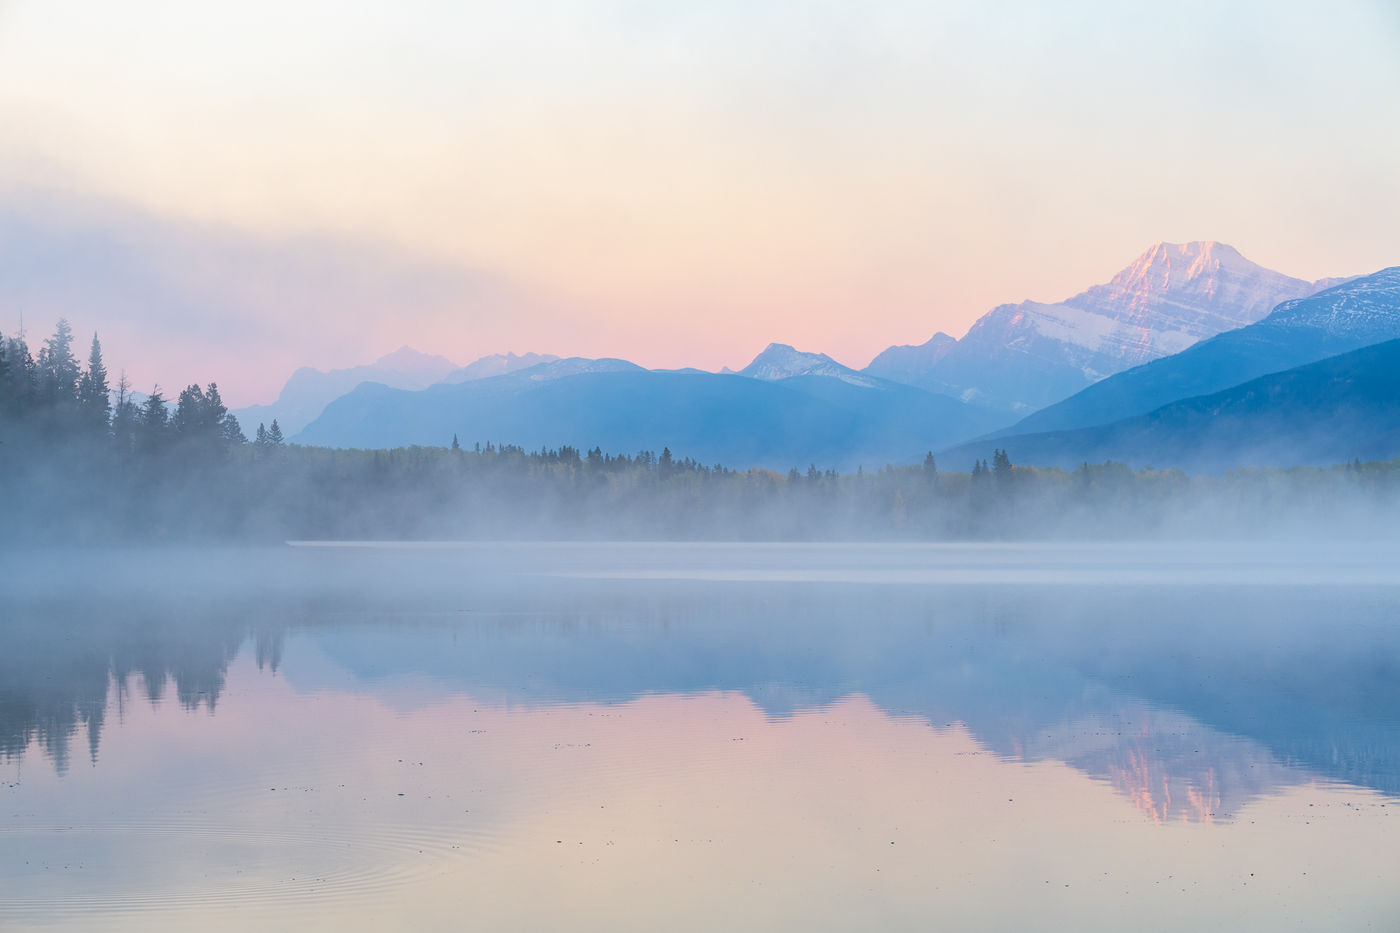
780, 361
1360, 312
308, 391
1324, 412
742, 421
1193, 311
497, 364
911, 364
1024, 356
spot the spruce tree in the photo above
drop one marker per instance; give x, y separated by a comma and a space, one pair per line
155, 420
274, 434
190, 418
8, 405
1001, 465
230, 431
261, 438
58, 369
21, 373
93, 400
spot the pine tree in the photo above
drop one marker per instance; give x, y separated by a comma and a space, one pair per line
261, 438
93, 400
1001, 466
274, 434
8, 403
214, 410
455, 445
190, 416
58, 369
221, 421
21, 373
155, 420
230, 431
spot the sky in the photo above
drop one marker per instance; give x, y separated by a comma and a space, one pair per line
228, 191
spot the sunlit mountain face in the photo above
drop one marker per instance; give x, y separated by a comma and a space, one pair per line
1024, 356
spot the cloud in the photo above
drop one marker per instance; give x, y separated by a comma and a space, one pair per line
177, 301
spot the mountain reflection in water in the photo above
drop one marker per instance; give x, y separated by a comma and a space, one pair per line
641, 737
1191, 701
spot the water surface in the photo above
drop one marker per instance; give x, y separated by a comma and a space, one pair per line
694, 737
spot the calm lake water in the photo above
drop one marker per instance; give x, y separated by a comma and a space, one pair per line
701, 737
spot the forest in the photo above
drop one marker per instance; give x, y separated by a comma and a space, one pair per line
82, 462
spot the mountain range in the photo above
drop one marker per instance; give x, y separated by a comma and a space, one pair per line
1133, 370
308, 391
1328, 412
780, 422
1345, 317
1022, 357
1343, 402
497, 364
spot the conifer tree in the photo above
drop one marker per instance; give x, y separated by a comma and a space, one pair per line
230, 431
155, 420
1001, 466
8, 402
21, 373
58, 369
261, 438
274, 434
190, 419
455, 445
93, 400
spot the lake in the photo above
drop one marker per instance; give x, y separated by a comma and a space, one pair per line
450, 736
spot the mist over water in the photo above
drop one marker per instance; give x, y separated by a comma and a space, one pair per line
642, 736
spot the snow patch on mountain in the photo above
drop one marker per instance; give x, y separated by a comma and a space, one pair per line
1170, 297
781, 361
1363, 309
1026, 355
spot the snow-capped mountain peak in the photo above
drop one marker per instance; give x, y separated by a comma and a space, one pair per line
781, 361
1027, 355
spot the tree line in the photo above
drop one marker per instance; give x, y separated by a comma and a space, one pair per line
82, 461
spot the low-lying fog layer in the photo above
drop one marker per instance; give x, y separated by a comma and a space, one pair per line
693, 736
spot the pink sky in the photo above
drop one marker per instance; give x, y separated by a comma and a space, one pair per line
230, 192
